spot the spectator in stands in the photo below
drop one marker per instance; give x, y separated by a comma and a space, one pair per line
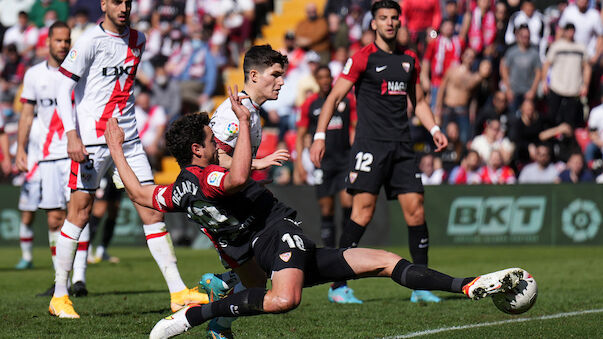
494, 109
312, 33
451, 12
92, 7
441, 53
24, 35
165, 89
527, 15
569, 76
150, 122
167, 14
13, 71
40, 7
493, 139
423, 19
81, 23
525, 134
453, 153
467, 173
10, 9
562, 141
575, 171
552, 14
588, 26
520, 70
541, 171
431, 170
594, 149
482, 28
295, 55
306, 83
339, 59
496, 172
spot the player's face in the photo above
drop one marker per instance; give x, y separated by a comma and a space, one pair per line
270, 81
59, 43
386, 23
117, 11
210, 151
324, 80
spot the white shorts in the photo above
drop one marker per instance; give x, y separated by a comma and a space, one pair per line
54, 175
29, 199
87, 176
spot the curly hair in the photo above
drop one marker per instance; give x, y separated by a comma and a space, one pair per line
261, 57
184, 132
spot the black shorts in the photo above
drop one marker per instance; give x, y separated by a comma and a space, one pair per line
392, 164
330, 180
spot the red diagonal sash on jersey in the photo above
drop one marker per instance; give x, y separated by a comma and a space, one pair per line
147, 123
119, 96
56, 126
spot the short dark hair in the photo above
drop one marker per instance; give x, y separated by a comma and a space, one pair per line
390, 4
261, 57
182, 133
320, 68
55, 25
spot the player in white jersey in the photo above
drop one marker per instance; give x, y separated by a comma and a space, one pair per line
264, 69
101, 67
39, 94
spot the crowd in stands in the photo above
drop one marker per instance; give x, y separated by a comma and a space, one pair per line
515, 86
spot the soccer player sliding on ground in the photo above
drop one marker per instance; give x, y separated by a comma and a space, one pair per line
243, 213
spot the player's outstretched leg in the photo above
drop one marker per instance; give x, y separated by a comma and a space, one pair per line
26, 236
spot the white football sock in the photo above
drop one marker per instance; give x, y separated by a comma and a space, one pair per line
162, 250
66, 246
81, 256
52, 242
100, 251
26, 235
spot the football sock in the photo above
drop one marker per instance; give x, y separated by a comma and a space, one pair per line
418, 243
81, 256
327, 230
419, 277
350, 236
52, 242
245, 303
162, 250
108, 231
93, 222
66, 246
26, 235
226, 322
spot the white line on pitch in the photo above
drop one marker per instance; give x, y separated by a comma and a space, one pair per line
494, 323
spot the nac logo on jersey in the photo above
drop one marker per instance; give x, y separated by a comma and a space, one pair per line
393, 88
119, 71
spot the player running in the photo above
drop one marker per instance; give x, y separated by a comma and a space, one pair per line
101, 68
240, 212
385, 75
49, 157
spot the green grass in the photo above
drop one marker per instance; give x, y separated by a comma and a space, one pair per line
127, 299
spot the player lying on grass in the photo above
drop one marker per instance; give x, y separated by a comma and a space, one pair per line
252, 222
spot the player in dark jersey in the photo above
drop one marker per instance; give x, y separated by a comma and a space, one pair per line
386, 76
244, 218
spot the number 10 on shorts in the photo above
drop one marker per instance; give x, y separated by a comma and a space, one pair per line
363, 161
294, 241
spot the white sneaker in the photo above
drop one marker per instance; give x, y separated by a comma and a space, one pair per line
171, 326
495, 282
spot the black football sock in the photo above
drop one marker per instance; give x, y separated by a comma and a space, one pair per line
93, 222
327, 230
418, 244
419, 277
108, 232
350, 236
245, 303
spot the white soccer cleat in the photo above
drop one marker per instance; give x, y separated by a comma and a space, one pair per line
171, 326
495, 282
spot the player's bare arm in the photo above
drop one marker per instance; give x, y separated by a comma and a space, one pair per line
300, 172
25, 121
6, 165
75, 148
241, 157
274, 159
423, 112
340, 90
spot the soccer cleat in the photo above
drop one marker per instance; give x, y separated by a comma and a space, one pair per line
171, 326
78, 289
62, 308
24, 265
215, 331
48, 293
424, 296
215, 287
495, 282
187, 296
343, 295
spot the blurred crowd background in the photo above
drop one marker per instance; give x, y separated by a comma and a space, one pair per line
515, 85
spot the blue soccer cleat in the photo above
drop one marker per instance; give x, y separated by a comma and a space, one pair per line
343, 295
24, 265
424, 296
215, 287
215, 331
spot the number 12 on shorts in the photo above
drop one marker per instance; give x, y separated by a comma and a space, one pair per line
363, 161
294, 241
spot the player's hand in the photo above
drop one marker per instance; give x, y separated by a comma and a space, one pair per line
75, 148
317, 152
440, 141
275, 159
238, 108
20, 161
6, 165
114, 135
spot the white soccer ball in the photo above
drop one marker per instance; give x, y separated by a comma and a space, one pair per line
520, 299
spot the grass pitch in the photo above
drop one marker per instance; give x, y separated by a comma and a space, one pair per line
128, 298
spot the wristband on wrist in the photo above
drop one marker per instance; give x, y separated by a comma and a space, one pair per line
434, 130
320, 136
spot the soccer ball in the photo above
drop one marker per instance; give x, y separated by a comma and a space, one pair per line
520, 299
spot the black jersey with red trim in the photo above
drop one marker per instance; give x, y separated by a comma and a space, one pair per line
338, 130
382, 82
231, 219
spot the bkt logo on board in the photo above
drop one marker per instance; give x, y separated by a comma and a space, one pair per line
496, 219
